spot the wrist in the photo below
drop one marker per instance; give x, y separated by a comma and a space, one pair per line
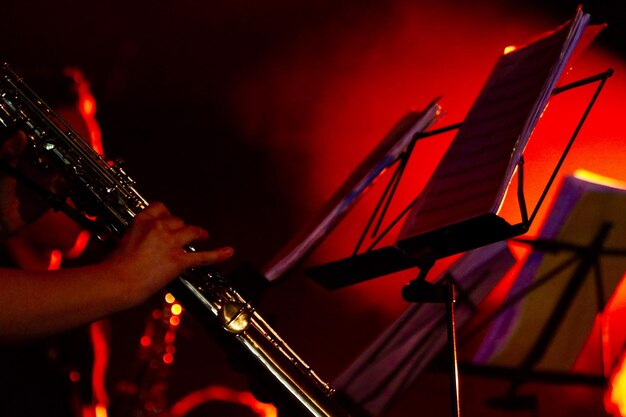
118, 285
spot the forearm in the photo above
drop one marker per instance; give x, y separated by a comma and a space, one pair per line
37, 303
148, 257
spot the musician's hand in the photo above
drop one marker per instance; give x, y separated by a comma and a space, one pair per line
152, 253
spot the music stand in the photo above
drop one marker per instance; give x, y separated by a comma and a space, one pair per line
575, 264
394, 360
393, 150
422, 251
374, 263
521, 84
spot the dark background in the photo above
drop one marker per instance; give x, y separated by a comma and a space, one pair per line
244, 116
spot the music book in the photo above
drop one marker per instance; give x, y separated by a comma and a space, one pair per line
377, 161
552, 313
458, 208
394, 360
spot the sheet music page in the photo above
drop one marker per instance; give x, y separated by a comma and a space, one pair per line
384, 155
472, 177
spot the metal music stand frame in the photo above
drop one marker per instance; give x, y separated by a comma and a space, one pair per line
586, 259
420, 290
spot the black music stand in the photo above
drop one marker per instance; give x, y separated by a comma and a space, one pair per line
423, 251
578, 238
416, 338
521, 84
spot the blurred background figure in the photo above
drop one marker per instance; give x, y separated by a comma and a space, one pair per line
61, 375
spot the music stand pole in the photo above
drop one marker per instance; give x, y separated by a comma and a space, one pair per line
421, 291
454, 363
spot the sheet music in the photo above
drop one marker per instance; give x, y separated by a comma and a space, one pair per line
580, 210
472, 177
384, 155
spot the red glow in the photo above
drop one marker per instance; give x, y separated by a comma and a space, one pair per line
372, 72
168, 358
170, 336
175, 320
145, 341
220, 393
79, 245
98, 410
101, 410
616, 397
87, 108
74, 376
55, 260
100, 345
